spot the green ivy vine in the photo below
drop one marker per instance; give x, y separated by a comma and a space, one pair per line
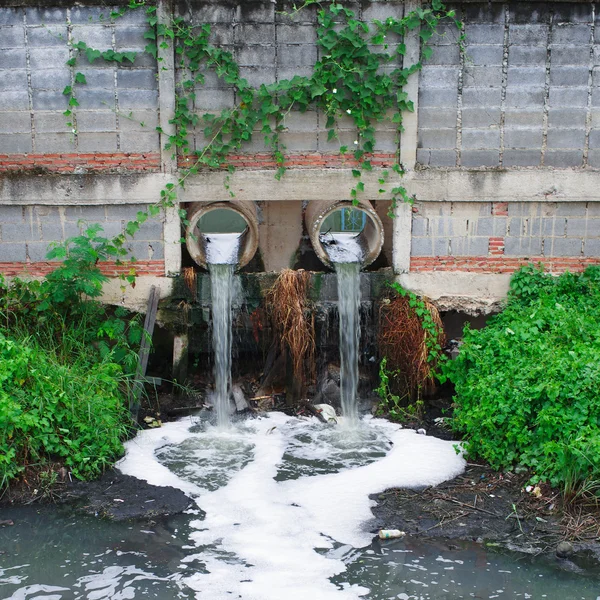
349, 80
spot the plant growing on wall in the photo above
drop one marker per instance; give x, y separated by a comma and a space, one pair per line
358, 77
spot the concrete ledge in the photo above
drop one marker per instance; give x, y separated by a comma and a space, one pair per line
439, 185
471, 293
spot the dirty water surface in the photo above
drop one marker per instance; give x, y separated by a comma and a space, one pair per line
265, 525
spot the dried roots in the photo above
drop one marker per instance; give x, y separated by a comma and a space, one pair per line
292, 321
404, 342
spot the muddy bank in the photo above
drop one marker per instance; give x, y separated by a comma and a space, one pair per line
495, 510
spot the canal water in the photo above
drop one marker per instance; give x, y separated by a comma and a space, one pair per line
281, 511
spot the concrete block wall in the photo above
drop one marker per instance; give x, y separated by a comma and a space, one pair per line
27, 233
524, 93
35, 44
271, 46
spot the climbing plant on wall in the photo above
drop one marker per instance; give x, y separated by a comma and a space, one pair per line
357, 77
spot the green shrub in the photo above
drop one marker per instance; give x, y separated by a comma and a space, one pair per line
51, 411
528, 384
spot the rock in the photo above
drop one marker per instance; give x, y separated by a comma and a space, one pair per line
330, 394
564, 549
238, 396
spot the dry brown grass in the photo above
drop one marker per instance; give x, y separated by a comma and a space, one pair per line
403, 341
293, 323
190, 278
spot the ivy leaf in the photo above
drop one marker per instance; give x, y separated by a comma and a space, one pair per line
73, 102
80, 78
68, 91
92, 54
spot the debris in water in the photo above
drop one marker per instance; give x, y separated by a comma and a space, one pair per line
388, 534
328, 412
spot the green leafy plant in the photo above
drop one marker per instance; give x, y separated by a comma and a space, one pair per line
527, 384
395, 407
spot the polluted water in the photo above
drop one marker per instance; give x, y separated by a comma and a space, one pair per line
222, 251
346, 254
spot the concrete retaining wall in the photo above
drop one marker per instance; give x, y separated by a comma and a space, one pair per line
502, 151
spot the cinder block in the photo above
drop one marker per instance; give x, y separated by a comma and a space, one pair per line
140, 141
484, 55
477, 117
210, 99
484, 33
528, 35
548, 224
442, 97
97, 78
593, 210
51, 79
566, 247
490, 226
123, 212
11, 16
265, 34
522, 158
594, 158
524, 117
434, 118
38, 251
515, 224
90, 99
136, 99
567, 117
569, 76
11, 214
144, 79
51, 143
421, 246
20, 232
570, 34
15, 143
40, 15
50, 122
255, 13
12, 37
95, 35
477, 246
523, 138
146, 250
111, 229
566, 138
130, 36
576, 96
436, 77
13, 80
256, 76
97, 142
480, 138
525, 97
444, 55
569, 55
43, 58
57, 231
49, 100
300, 54
88, 120
382, 10
479, 158
420, 226
437, 138
250, 56
490, 77
386, 141
88, 15
151, 230
590, 248
528, 55
596, 97
14, 101
526, 76
576, 227
14, 58
46, 36
563, 158
488, 97
89, 214
442, 158
483, 13
571, 209
138, 120
13, 252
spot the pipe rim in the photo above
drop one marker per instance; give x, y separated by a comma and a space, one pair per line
248, 238
371, 251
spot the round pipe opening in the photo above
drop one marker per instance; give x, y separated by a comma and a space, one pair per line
358, 228
222, 232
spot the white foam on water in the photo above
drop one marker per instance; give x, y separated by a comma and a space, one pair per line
222, 248
258, 538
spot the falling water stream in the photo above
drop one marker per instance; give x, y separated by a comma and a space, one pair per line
221, 256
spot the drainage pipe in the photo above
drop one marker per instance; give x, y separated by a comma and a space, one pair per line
195, 239
370, 238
